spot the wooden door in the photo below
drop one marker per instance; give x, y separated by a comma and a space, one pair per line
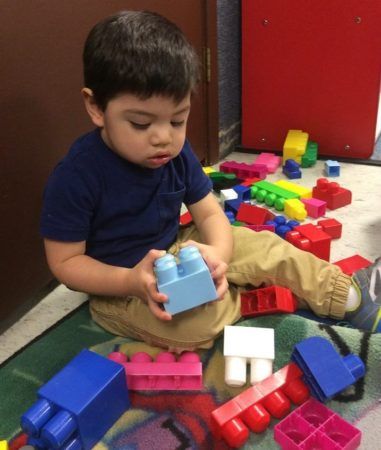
42, 113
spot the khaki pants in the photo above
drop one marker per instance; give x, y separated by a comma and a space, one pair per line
258, 258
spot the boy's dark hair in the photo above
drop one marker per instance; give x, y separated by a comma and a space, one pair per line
141, 53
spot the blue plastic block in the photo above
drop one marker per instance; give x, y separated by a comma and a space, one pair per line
282, 225
232, 205
244, 192
188, 284
292, 169
230, 216
78, 405
332, 168
325, 371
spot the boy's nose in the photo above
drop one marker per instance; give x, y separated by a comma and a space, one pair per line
161, 137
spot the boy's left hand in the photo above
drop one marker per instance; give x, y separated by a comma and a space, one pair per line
216, 266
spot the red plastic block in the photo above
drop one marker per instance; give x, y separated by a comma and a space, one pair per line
268, 300
243, 170
253, 408
253, 215
353, 264
331, 226
311, 238
165, 373
261, 227
186, 218
250, 181
332, 193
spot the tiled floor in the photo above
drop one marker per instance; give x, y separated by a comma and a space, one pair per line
361, 234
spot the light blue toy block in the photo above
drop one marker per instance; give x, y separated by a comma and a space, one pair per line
332, 168
78, 405
187, 284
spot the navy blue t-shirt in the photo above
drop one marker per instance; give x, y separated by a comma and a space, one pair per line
120, 209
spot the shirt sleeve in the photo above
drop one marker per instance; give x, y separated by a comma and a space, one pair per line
69, 203
198, 184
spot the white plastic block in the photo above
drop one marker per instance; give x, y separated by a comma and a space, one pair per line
248, 344
227, 194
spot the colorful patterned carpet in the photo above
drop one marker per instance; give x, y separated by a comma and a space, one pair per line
181, 420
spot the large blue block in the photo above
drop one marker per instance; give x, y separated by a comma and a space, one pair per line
187, 284
78, 405
325, 372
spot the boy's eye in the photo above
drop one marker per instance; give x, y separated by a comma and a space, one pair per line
178, 124
139, 126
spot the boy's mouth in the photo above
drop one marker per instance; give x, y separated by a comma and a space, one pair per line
159, 160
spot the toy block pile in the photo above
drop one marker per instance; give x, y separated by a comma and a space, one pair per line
256, 203
317, 369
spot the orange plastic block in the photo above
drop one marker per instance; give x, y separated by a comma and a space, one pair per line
353, 264
331, 226
253, 408
332, 193
311, 238
268, 300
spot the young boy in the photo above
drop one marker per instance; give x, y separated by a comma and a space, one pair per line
112, 205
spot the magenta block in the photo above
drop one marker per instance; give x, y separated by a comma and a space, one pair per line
165, 373
314, 207
313, 425
243, 170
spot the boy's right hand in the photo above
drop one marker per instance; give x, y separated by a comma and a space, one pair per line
142, 284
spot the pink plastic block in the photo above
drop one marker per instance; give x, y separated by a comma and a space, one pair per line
314, 426
243, 170
165, 373
315, 208
270, 160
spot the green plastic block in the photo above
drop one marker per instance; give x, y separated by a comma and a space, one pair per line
237, 223
310, 156
271, 194
219, 176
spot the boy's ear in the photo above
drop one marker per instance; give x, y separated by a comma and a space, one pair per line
94, 111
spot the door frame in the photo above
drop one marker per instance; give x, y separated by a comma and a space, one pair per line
210, 65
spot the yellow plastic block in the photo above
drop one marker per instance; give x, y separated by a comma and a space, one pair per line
208, 170
295, 145
295, 209
302, 191
3, 445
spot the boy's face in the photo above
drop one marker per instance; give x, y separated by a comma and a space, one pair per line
145, 132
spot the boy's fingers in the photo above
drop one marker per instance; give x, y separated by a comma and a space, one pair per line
158, 312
